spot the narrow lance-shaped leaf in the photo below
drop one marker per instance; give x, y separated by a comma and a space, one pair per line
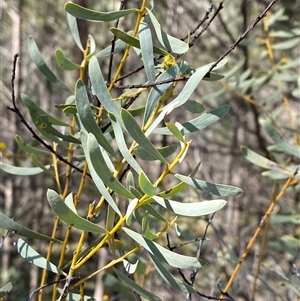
30, 149
282, 144
83, 13
172, 258
42, 66
198, 123
87, 119
21, 171
100, 89
146, 229
122, 145
68, 216
138, 135
74, 30
44, 125
170, 43
165, 151
213, 188
145, 184
130, 40
261, 161
190, 209
10, 225
97, 178
194, 107
157, 92
147, 50
35, 110
135, 287
39, 164
169, 278
175, 129
65, 63
35, 258
102, 170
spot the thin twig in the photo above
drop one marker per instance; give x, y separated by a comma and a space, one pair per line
28, 126
200, 23
260, 226
250, 27
113, 42
196, 37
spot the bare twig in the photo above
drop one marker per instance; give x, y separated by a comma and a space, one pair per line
250, 27
196, 37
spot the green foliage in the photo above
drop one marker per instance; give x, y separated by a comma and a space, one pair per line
115, 142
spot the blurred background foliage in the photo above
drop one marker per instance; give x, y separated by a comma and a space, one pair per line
261, 83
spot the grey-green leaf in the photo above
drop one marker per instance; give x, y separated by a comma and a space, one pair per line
74, 30
30, 149
97, 178
137, 134
102, 170
198, 123
164, 151
213, 188
87, 119
169, 278
36, 110
42, 66
135, 287
157, 92
68, 216
64, 62
190, 209
145, 185
170, 43
21, 171
10, 225
83, 13
123, 147
147, 50
35, 258
167, 256
130, 40
100, 89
